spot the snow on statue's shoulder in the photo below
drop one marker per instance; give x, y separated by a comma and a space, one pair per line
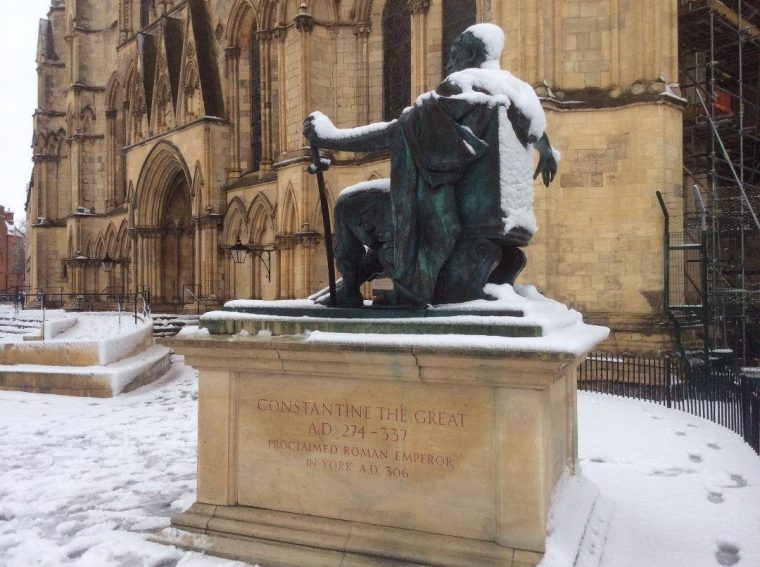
503, 88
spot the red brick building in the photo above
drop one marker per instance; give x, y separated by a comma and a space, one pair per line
12, 254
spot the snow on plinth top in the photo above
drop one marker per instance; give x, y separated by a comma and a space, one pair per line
563, 329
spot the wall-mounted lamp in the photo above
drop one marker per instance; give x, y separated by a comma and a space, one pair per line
108, 263
239, 251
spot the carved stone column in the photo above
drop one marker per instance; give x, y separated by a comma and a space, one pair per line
210, 226
362, 33
111, 158
197, 255
419, 10
125, 23
232, 60
304, 23
280, 34
153, 242
264, 39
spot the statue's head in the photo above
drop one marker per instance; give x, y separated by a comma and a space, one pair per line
478, 46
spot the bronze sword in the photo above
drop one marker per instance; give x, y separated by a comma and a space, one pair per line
318, 166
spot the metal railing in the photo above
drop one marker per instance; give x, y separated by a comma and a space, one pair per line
194, 291
720, 393
139, 302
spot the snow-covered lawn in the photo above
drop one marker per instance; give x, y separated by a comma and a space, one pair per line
85, 481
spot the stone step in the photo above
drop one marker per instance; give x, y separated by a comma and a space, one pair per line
168, 324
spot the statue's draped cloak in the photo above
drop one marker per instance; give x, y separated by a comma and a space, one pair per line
432, 146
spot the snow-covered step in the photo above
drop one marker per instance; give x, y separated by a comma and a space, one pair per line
168, 325
92, 381
83, 354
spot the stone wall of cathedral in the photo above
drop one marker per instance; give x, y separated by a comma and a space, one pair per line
167, 130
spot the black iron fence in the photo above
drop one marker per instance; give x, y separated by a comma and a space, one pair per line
722, 394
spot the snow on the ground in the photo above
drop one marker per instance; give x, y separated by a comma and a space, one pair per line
85, 481
72, 327
102, 327
685, 491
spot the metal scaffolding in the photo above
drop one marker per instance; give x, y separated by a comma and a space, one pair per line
719, 62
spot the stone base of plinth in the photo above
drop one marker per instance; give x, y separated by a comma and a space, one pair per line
372, 450
270, 538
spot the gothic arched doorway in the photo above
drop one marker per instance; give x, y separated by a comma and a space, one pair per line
177, 243
165, 242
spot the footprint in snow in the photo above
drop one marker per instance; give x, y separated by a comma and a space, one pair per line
740, 481
714, 446
691, 425
695, 457
715, 497
655, 417
681, 433
727, 554
597, 460
672, 471
77, 551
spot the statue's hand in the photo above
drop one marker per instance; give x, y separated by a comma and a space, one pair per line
547, 167
310, 131
547, 162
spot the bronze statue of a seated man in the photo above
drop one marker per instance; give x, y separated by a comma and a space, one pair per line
458, 205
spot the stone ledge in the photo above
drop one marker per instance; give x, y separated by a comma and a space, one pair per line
92, 382
282, 343
288, 540
299, 358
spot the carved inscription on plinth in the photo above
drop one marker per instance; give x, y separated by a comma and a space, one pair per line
404, 455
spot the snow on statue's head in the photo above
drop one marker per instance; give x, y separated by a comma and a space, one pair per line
492, 38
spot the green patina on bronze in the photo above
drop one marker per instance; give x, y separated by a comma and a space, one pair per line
439, 231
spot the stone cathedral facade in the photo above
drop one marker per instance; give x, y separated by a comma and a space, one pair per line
166, 130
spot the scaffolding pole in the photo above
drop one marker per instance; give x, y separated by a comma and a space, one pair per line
719, 60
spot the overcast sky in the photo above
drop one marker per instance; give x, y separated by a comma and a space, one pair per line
18, 97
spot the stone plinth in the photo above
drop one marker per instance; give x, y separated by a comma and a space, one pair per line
332, 453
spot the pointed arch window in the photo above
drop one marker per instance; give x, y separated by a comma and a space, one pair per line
458, 15
116, 139
255, 89
397, 57
145, 7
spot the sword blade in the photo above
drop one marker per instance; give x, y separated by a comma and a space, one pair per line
325, 207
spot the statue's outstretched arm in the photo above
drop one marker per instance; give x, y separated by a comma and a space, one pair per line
321, 132
547, 162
